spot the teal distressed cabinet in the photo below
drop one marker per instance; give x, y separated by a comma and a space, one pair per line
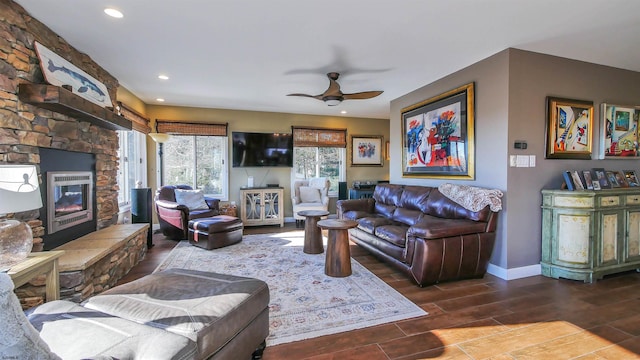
588, 234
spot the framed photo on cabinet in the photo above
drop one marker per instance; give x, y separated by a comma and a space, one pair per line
588, 180
600, 175
632, 177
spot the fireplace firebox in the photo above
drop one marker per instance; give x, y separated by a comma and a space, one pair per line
69, 199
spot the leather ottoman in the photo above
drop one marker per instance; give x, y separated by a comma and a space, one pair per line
226, 316
215, 232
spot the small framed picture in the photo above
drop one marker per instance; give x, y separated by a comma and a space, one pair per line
601, 177
588, 181
621, 179
632, 177
611, 176
577, 182
596, 186
366, 150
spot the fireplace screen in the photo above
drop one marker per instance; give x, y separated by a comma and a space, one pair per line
69, 199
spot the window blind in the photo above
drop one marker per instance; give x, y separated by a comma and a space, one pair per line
189, 128
138, 121
319, 137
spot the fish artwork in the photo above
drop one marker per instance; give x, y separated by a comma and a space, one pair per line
86, 83
58, 71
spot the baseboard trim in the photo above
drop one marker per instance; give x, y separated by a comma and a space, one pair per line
514, 273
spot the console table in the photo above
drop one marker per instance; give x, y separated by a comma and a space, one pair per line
588, 234
38, 263
262, 206
360, 193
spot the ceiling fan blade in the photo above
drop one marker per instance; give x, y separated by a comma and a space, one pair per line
334, 88
362, 95
319, 97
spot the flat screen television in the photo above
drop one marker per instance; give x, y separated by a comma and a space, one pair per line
262, 149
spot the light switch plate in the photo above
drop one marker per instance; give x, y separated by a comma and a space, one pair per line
522, 160
532, 160
512, 160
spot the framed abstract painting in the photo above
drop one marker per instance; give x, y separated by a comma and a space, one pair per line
438, 136
619, 129
569, 129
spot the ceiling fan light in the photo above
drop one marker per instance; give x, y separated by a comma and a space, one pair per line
332, 100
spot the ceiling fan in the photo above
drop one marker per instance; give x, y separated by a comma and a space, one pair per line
333, 96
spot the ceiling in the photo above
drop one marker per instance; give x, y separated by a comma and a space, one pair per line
249, 54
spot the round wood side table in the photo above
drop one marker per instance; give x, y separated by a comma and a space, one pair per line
312, 233
338, 260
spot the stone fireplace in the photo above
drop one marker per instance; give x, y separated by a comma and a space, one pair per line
26, 129
62, 133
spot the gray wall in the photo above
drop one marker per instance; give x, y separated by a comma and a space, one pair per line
491, 131
533, 77
511, 91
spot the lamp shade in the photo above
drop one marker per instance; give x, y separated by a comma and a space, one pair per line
159, 137
19, 188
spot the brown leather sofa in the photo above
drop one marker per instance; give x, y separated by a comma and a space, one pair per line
423, 233
174, 218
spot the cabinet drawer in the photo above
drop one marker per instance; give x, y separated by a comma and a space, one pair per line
610, 201
573, 202
633, 199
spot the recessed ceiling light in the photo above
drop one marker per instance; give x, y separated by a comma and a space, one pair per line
163, 77
343, 112
160, 100
113, 13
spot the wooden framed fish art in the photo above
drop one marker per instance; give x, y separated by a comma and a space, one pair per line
58, 71
569, 129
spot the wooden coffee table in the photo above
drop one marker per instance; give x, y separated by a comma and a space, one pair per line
338, 261
312, 233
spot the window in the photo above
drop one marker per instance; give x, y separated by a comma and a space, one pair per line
319, 152
198, 161
133, 164
309, 162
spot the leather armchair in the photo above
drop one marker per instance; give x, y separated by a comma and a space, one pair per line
300, 196
174, 217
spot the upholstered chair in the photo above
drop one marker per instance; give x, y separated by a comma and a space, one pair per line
309, 194
177, 204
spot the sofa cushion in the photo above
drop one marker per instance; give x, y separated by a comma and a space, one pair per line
309, 194
205, 307
193, 199
395, 234
407, 216
432, 227
355, 214
371, 222
441, 206
75, 332
415, 197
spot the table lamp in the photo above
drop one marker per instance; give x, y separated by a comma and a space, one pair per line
18, 192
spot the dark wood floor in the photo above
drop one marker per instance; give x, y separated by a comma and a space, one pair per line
530, 318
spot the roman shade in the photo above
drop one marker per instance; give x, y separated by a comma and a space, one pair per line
319, 137
177, 127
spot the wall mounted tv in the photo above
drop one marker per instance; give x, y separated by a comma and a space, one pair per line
262, 149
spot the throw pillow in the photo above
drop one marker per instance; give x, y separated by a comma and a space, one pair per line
193, 199
309, 194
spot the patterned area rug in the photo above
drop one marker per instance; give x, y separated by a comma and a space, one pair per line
305, 303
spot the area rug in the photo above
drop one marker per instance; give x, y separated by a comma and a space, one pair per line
305, 303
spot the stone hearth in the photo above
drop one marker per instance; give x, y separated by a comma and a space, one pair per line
92, 263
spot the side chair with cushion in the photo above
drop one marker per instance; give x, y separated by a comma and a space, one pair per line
177, 204
309, 194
